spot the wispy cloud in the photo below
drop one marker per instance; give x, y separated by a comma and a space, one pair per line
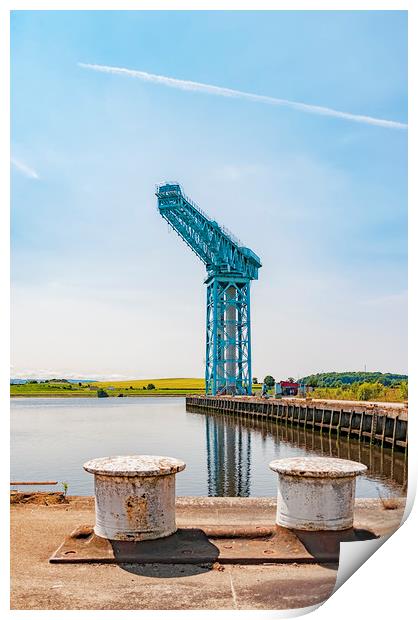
238, 94
24, 168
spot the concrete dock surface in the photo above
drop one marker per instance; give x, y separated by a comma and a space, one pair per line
37, 530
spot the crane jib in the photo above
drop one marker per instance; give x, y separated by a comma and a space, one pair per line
212, 243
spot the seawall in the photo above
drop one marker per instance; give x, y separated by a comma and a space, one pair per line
383, 423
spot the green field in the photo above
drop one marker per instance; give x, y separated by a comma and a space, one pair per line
160, 384
134, 387
183, 386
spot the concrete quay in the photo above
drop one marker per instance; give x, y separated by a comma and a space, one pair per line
380, 423
306, 577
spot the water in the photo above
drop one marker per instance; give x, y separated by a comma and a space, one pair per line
53, 437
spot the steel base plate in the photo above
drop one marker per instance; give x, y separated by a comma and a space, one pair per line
258, 545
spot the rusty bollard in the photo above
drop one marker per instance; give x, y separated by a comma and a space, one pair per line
316, 493
134, 496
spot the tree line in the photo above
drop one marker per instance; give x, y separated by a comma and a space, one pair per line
342, 379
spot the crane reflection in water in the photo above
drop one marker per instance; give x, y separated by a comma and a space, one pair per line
228, 450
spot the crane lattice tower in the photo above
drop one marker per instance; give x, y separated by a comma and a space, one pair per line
230, 269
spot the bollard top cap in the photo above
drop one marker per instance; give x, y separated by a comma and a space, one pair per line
138, 465
317, 467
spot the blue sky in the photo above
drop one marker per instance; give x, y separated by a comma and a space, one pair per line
99, 285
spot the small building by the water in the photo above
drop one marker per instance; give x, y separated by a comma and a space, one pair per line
287, 388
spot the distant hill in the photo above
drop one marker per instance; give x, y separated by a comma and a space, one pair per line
338, 379
23, 381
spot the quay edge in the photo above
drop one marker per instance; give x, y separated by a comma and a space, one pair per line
381, 423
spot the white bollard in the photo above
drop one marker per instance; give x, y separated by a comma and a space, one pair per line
316, 493
134, 496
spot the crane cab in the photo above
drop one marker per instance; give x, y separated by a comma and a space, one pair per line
168, 194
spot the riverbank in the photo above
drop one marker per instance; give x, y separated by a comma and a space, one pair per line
129, 389
182, 393
88, 389
37, 531
81, 394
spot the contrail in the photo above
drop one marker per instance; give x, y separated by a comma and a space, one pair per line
238, 94
28, 172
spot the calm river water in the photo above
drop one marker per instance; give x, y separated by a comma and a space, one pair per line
53, 437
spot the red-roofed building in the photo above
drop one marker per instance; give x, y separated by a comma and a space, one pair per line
287, 388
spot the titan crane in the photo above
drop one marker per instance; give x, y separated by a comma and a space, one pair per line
230, 269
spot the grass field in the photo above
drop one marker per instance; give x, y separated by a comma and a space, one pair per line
135, 387
160, 384
178, 387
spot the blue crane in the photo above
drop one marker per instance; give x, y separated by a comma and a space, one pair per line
230, 269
